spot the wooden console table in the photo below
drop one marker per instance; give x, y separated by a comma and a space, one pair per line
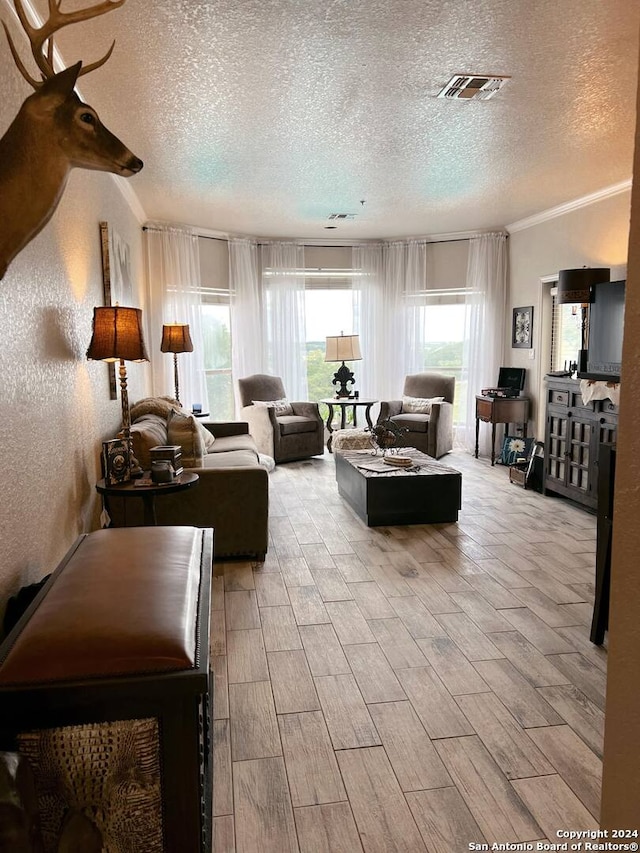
500, 410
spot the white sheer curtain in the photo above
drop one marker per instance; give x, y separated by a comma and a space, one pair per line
173, 275
247, 311
484, 327
283, 283
389, 291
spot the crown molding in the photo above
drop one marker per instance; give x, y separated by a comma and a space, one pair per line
567, 207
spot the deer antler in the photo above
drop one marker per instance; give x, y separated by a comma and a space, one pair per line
41, 38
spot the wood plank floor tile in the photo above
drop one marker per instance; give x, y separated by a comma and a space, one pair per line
528, 707
433, 703
494, 592
553, 804
412, 755
293, 687
323, 650
254, 731
241, 610
372, 602
279, 629
485, 616
499, 812
218, 635
555, 615
434, 598
536, 668
311, 764
453, 668
558, 592
416, 618
349, 623
444, 821
584, 675
264, 816
295, 571
585, 718
505, 740
222, 783
317, 556
347, 718
373, 674
473, 643
220, 688
397, 644
446, 576
217, 592
238, 576
306, 533
351, 567
270, 589
328, 828
224, 839
336, 543
308, 607
503, 574
331, 585
246, 660
580, 768
379, 807
389, 581
544, 638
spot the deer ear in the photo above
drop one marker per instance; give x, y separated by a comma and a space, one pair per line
60, 86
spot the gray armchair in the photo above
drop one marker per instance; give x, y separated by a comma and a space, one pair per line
431, 433
297, 434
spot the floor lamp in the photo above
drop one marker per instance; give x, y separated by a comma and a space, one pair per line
176, 338
117, 336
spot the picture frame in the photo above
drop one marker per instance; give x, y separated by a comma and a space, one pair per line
117, 281
522, 327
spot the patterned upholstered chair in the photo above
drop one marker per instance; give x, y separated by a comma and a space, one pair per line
430, 424
281, 429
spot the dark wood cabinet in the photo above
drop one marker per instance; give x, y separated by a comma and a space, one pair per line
574, 432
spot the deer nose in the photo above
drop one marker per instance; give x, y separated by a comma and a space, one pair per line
135, 164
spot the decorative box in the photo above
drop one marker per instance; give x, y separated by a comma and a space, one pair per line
170, 453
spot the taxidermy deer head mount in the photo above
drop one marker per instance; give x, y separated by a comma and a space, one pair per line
53, 132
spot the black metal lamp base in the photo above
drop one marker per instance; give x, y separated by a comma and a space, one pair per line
341, 377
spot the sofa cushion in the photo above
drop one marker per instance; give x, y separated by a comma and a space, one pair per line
234, 442
147, 432
414, 423
231, 459
294, 424
183, 429
419, 405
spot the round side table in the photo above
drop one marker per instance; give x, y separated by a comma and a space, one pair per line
148, 494
344, 403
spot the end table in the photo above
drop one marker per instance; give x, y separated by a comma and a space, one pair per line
183, 481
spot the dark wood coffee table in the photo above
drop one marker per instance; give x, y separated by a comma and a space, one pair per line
429, 493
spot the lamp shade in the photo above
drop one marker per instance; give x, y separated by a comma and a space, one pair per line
342, 348
575, 285
117, 334
176, 338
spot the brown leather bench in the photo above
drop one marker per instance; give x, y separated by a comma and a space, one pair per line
106, 678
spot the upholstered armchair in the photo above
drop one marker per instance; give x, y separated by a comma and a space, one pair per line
281, 429
430, 424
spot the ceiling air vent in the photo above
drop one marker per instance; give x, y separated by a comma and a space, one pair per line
341, 216
476, 87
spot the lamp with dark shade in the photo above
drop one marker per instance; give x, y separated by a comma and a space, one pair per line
176, 338
342, 348
574, 287
117, 336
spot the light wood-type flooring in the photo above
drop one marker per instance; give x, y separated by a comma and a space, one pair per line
411, 688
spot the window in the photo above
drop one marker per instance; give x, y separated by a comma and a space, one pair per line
565, 334
216, 339
443, 321
325, 310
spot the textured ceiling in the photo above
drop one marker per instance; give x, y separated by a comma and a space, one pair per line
264, 116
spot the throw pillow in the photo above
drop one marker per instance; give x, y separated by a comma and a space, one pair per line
183, 429
419, 405
153, 406
281, 407
147, 432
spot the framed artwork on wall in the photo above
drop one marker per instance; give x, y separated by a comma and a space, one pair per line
116, 280
522, 327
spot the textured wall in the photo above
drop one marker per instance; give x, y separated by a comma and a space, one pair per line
54, 404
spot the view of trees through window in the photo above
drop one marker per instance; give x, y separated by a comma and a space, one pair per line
216, 340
